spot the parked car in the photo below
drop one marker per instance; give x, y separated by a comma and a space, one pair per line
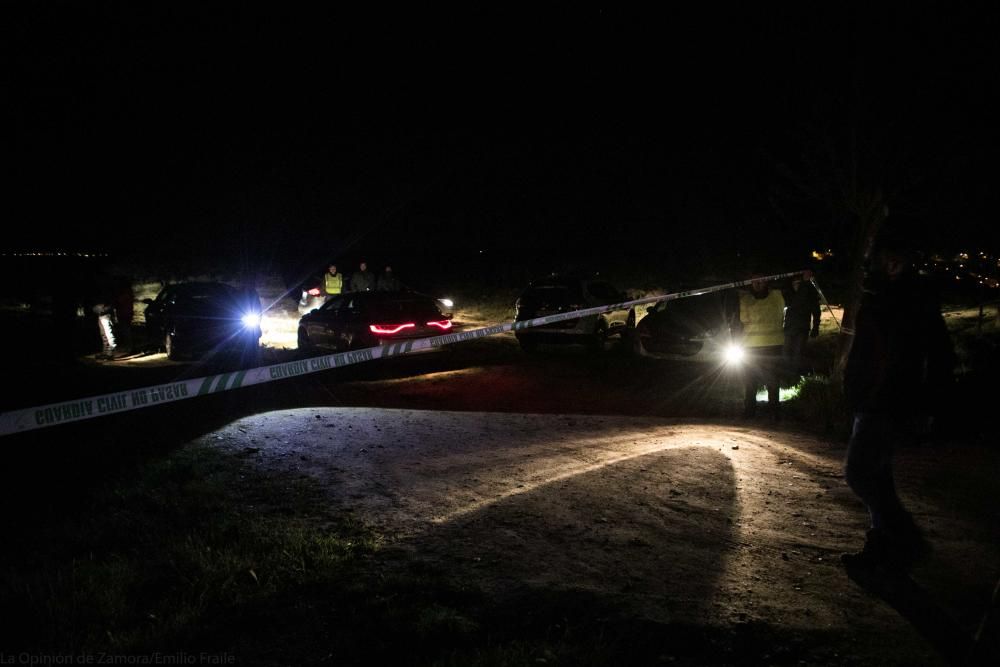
312, 295
697, 328
561, 294
367, 319
199, 317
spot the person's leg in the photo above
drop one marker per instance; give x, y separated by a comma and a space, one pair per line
868, 469
868, 456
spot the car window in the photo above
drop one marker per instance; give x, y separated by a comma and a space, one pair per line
406, 309
552, 294
333, 305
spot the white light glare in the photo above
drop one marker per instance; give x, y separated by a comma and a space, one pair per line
251, 320
448, 303
733, 354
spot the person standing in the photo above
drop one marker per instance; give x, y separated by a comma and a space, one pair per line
387, 282
124, 306
802, 315
362, 280
898, 372
333, 282
761, 319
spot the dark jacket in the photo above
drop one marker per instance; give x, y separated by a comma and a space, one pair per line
901, 360
801, 308
362, 281
387, 282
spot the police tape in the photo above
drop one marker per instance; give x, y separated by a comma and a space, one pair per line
822, 297
64, 412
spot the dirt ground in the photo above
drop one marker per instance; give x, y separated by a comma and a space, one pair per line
629, 485
704, 521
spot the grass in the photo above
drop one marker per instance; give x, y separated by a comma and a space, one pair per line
146, 561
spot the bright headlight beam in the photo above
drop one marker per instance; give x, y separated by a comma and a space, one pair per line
251, 320
733, 354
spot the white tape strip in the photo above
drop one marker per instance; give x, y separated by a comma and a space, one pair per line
42, 416
822, 297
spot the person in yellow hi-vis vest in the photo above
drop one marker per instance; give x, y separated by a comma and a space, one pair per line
761, 331
333, 282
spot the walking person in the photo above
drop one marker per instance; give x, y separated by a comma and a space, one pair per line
898, 371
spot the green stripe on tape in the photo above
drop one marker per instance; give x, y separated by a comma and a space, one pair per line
223, 379
205, 385
238, 382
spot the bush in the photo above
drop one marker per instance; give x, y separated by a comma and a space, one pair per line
819, 401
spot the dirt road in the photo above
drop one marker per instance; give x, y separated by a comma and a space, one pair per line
567, 486
617, 484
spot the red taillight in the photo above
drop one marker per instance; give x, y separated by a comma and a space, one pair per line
444, 325
390, 328
313, 292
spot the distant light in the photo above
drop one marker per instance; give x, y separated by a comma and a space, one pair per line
447, 303
251, 320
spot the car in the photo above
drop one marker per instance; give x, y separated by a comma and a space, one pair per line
195, 318
358, 320
694, 328
312, 296
560, 294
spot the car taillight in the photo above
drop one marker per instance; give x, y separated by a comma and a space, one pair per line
444, 325
313, 292
390, 328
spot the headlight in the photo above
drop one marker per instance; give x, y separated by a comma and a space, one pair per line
251, 320
733, 354
447, 303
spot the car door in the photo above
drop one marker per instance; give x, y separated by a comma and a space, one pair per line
604, 293
325, 326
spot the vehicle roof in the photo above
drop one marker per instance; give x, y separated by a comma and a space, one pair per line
561, 280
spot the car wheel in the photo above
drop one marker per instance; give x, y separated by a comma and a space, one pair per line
599, 338
170, 346
303, 340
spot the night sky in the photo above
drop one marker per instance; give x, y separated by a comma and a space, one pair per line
274, 133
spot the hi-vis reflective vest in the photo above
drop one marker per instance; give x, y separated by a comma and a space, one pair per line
762, 319
333, 284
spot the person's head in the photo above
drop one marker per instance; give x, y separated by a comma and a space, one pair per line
332, 269
757, 283
796, 283
363, 265
892, 257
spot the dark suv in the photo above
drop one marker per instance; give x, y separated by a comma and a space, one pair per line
561, 294
696, 328
200, 317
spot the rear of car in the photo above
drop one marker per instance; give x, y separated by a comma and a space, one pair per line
696, 328
312, 296
557, 295
368, 319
